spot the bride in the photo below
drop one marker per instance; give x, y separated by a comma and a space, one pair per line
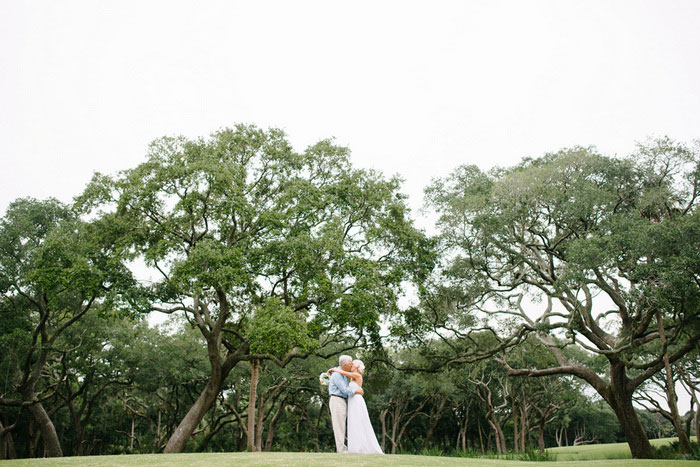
361, 438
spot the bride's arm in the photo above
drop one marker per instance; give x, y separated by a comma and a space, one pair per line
345, 373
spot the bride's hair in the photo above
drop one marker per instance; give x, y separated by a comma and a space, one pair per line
360, 366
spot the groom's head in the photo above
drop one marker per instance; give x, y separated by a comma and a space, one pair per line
345, 362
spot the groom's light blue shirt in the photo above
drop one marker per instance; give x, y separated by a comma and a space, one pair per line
339, 386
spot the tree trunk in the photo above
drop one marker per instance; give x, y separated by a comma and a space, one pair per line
11, 451
463, 428
634, 432
671, 397
272, 393
481, 439
184, 430
620, 399
498, 435
694, 401
219, 372
461, 439
270, 436
79, 438
242, 438
259, 423
273, 424
159, 439
516, 429
314, 427
524, 426
52, 447
434, 419
399, 415
393, 431
7, 445
33, 439
317, 429
540, 427
250, 447
672, 401
131, 438
543, 420
393, 442
382, 419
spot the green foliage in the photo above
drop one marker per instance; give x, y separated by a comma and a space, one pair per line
248, 226
276, 329
55, 269
269, 253
673, 451
527, 456
266, 253
577, 250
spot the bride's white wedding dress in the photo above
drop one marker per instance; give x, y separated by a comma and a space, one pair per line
361, 438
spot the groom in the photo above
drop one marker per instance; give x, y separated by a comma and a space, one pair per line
339, 390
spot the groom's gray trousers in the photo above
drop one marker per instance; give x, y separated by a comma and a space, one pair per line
339, 412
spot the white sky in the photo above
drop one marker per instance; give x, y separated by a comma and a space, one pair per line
414, 88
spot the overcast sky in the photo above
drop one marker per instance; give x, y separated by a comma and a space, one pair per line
413, 88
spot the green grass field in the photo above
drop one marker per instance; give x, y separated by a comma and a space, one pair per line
320, 459
573, 456
599, 451
324, 459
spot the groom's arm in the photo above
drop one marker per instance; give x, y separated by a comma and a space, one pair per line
342, 384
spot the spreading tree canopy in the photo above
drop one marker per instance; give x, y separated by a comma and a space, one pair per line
579, 250
270, 253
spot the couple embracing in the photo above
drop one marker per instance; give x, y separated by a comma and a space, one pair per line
346, 403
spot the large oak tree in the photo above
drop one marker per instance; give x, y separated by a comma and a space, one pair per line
270, 253
578, 249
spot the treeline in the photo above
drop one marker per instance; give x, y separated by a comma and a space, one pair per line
124, 386
558, 303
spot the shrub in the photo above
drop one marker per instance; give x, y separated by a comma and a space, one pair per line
672, 451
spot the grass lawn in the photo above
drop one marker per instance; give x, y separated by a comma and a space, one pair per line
599, 451
321, 459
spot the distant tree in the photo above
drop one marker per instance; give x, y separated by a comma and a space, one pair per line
92, 366
404, 401
166, 370
54, 269
538, 242
536, 402
440, 392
